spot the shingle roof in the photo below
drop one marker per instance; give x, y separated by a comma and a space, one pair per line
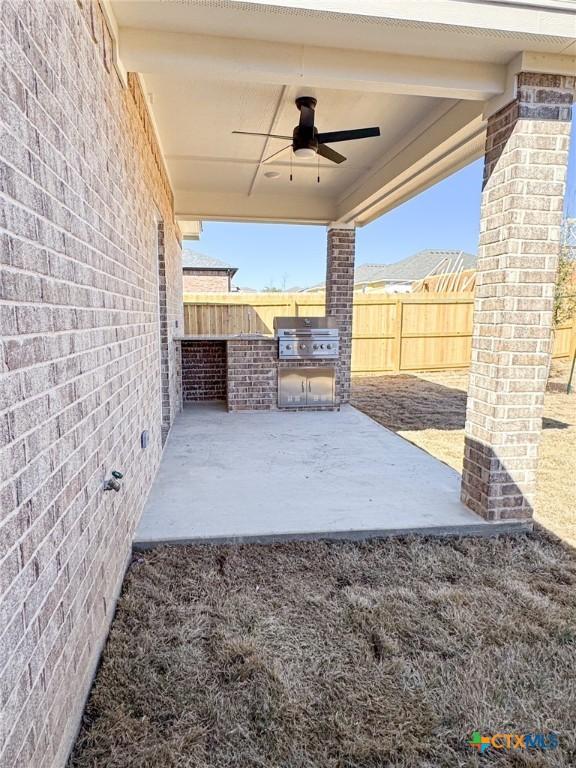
415, 267
195, 260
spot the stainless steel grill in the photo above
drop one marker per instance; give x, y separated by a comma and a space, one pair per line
306, 338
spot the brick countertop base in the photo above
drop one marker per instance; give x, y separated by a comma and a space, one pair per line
241, 369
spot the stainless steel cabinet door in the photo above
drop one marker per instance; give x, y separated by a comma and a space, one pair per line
320, 386
292, 387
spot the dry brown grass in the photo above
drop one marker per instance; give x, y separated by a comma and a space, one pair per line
429, 410
335, 655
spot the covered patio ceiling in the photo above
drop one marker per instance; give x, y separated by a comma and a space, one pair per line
427, 73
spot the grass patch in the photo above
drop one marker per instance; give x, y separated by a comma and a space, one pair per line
337, 655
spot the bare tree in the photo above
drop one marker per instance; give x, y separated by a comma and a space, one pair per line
565, 296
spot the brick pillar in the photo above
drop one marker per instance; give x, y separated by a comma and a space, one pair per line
339, 297
522, 202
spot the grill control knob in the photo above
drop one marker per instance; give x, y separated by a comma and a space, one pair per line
321, 346
328, 346
302, 346
288, 346
315, 346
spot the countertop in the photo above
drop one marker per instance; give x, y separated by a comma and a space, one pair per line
227, 337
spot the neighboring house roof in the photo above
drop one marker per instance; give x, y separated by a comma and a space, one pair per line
415, 267
410, 269
195, 260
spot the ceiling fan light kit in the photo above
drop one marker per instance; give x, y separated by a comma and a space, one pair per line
305, 153
307, 142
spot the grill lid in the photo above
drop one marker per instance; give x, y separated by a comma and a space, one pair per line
304, 323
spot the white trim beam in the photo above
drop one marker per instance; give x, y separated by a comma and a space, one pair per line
242, 60
113, 28
433, 151
263, 207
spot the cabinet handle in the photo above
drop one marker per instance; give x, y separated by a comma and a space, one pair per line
309, 386
302, 385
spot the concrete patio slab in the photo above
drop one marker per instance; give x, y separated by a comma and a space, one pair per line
273, 475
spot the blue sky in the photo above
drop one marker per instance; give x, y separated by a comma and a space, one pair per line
285, 256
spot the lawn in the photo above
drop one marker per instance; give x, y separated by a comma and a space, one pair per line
339, 655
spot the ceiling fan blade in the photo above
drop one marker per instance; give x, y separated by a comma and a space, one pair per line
269, 135
358, 133
330, 154
288, 146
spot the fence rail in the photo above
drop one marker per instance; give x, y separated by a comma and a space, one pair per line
409, 332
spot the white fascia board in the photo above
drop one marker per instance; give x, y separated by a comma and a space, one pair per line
538, 17
191, 229
545, 63
242, 60
341, 225
289, 208
449, 138
152, 116
539, 5
439, 171
114, 30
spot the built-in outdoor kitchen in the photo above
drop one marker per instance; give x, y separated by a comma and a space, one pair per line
295, 368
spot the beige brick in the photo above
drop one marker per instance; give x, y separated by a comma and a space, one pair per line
339, 297
511, 342
201, 282
79, 368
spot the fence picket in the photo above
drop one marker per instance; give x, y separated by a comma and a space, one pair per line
409, 332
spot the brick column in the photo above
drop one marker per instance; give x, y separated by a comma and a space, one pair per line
339, 298
522, 202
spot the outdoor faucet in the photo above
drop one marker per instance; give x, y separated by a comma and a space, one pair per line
113, 483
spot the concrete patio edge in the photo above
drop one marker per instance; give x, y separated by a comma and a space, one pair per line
508, 527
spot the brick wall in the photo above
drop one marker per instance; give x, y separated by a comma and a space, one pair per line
524, 182
253, 374
252, 378
339, 297
82, 185
205, 281
204, 374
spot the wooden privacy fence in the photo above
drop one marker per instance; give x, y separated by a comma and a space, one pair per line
407, 332
457, 282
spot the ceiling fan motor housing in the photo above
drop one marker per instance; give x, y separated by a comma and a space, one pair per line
304, 138
305, 133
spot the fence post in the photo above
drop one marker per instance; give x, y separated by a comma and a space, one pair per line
398, 335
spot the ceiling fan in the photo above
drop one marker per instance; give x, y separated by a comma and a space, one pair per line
307, 142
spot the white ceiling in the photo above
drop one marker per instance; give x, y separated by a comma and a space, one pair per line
218, 161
